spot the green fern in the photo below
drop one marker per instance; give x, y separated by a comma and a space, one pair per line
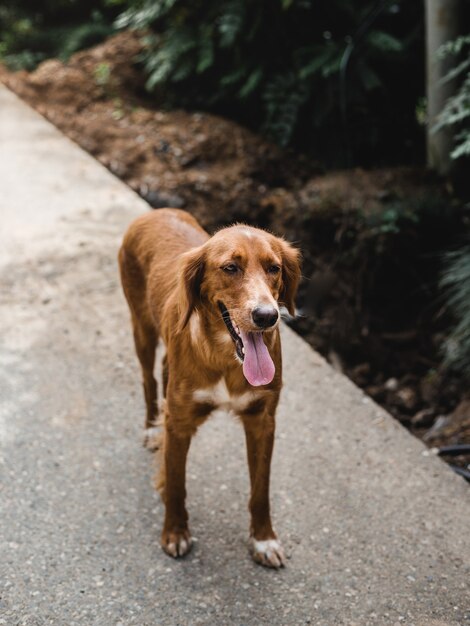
143, 14
84, 36
51, 29
283, 96
230, 22
456, 113
456, 284
384, 42
274, 64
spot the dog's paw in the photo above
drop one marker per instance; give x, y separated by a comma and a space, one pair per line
177, 543
267, 552
153, 438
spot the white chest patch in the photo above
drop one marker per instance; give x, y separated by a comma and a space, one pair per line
220, 396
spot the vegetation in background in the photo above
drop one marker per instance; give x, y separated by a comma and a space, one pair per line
456, 275
456, 113
456, 283
343, 81
327, 80
32, 32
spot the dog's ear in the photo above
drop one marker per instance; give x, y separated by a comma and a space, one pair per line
290, 276
191, 277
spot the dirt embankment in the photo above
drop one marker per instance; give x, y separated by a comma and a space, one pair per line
369, 300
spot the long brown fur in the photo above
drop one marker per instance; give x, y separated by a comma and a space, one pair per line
173, 277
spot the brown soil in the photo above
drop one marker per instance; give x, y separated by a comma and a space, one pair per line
369, 301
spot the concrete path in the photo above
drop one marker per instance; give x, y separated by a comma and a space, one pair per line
377, 530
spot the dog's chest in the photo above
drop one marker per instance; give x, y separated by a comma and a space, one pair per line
221, 398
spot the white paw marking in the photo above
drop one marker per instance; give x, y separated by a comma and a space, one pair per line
221, 397
268, 552
153, 437
179, 548
153, 431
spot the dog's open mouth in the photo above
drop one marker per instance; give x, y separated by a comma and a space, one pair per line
234, 333
258, 366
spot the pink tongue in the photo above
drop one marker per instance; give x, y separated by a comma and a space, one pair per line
258, 366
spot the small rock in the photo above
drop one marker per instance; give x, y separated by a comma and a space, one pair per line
407, 398
118, 168
391, 384
161, 199
375, 391
439, 425
162, 147
423, 418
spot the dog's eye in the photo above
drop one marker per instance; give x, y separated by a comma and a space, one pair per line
274, 269
231, 268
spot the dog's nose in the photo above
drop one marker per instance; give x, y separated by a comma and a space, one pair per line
264, 316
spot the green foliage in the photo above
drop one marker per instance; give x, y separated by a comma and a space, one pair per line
394, 217
325, 78
456, 283
455, 280
53, 28
456, 113
305, 76
102, 74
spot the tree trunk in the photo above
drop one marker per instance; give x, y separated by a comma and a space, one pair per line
442, 25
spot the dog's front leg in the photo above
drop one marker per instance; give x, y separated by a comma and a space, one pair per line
176, 538
265, 547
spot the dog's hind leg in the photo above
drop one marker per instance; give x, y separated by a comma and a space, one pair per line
145, 345
145, 333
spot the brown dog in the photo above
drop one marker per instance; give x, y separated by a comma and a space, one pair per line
215, 303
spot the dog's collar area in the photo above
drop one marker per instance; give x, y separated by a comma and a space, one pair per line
237, 340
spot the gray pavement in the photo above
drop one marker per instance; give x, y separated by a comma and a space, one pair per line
375, 527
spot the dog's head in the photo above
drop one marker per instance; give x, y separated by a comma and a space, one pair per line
244, 275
